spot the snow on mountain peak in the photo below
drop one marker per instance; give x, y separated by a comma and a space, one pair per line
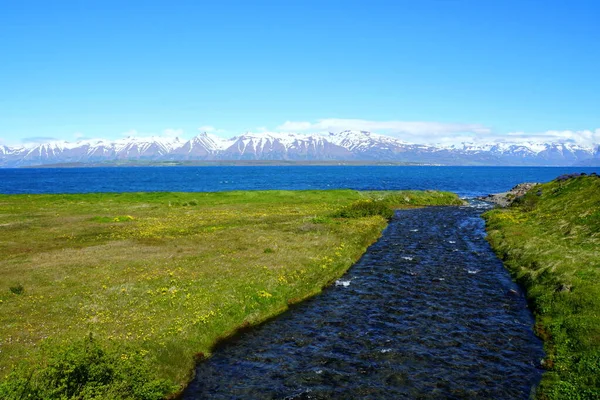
345, 145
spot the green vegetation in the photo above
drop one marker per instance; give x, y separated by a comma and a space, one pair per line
17, 289
84, 370
117, 295
550, 241
383, 203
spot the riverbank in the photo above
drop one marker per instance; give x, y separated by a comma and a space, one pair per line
550, 239
112, 295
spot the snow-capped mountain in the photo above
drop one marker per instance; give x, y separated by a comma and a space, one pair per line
527, 153
342, 146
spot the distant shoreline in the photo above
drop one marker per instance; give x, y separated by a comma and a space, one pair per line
228, 163
272, 163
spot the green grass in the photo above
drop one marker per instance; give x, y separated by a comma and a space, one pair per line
550, 241
96, 285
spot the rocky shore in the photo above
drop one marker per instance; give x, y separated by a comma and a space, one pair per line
505, 199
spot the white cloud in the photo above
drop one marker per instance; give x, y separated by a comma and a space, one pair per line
131, 133
207, 129
582, 137
213, 130
398, 127
166, 133
38, 139
80, 136
440, 132
170, 132
290, 126
412, 131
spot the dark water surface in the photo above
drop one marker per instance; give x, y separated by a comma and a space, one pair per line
465, 181
428, 312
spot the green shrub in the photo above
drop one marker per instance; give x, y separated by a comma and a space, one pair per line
84, 370
527, 202
365, 208
320, 220
17, 289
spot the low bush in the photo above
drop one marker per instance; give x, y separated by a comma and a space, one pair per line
84, 370
365, 208
320, 220
17, 289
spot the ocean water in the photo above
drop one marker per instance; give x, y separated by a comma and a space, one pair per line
465, 181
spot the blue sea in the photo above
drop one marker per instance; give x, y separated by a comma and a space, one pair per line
465, 181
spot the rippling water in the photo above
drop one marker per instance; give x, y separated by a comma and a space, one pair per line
465, 181
428, 312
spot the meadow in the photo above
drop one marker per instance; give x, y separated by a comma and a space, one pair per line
550, 241
117, 295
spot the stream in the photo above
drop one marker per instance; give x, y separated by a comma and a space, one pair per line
429, 312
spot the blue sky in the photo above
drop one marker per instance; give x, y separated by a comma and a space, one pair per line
413, 69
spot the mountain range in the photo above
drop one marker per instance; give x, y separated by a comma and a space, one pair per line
352, 146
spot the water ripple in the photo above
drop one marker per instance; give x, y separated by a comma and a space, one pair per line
428, 312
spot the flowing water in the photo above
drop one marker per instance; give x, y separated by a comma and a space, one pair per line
428, 312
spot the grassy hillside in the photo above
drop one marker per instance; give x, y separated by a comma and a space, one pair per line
114, 295
550, 241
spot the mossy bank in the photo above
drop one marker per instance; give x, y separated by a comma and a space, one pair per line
115, 295
550, 241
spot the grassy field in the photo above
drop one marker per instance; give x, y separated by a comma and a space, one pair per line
117, 295
550, 241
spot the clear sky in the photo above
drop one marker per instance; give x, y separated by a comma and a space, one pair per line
414, 69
